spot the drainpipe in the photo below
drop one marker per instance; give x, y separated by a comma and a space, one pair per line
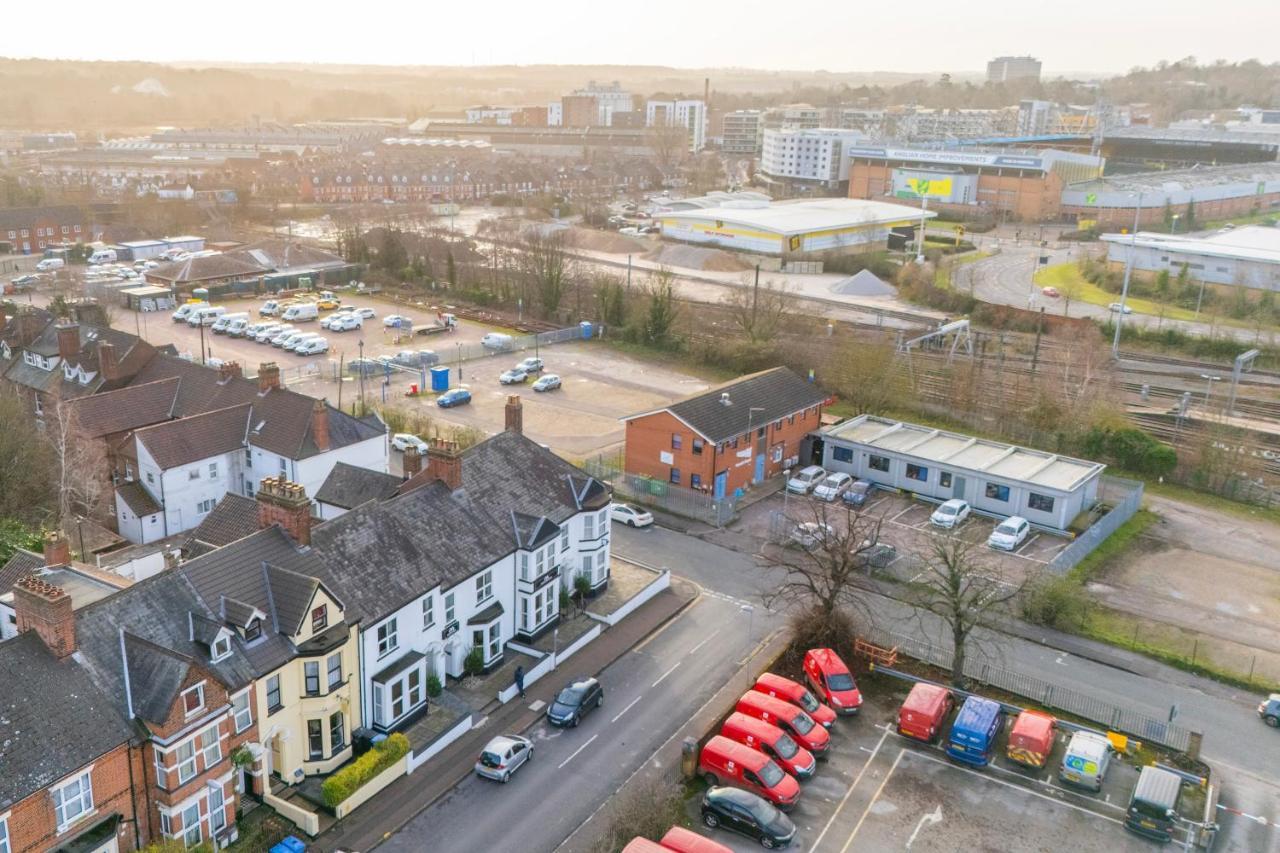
133, 799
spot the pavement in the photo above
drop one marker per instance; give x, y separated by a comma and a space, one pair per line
400, 802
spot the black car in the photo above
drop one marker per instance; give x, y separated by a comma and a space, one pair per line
575, 701
744, 812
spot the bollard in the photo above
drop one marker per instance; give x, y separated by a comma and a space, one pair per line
689, 758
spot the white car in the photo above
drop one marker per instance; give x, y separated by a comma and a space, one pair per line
503, 756
514, 376
531, 365
345, 323
630, 515
810, 534
403, 441
803, 481
366, 313
314, 346
1117, 308
833, 486
395, 321
950, 514
1010, 533
550, 382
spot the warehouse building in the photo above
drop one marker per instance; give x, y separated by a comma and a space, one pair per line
1025, 185
1249, 257
995, 478
1215, 192
794, 229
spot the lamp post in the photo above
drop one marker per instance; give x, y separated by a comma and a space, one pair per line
459, 343
363, 366
1128, 272
786, 491
750, 611
1209, 379
1174, 229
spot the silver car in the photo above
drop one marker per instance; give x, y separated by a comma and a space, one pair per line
503, 756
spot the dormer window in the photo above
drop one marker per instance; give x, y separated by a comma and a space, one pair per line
193, 699
253, 630
221, 648
319, 618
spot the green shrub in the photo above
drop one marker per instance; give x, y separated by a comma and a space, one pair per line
581, 585
1132, 449
433, 685
1056, 603
349, 779
474, 663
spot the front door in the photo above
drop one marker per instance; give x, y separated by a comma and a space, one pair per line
759, 475
957, 487
722, 483
276, 759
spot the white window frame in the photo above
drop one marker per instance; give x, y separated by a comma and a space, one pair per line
187, 762
212, 752
221, 648
83, 799
220, 811
564, 538
428, 611
276, 690
5, 847
242, 718
484, 586
588, 527
388, 642
166, 825
450, 611
188, 826
330, 670
199, 691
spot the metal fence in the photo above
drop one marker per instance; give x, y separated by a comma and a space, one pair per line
984, 671
1124, 497
607, 467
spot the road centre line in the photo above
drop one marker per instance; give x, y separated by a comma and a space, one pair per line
849, 792
874, 797
626, 709
704, 641
576, 751
665, 674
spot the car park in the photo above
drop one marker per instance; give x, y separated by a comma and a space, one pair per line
832, 486
1269, 710
803, 481
404, 440
748, 814
1086, 760
578, 698
312, 346
630, 515
811, 534
395, 321
787, 717
1117, 308
503, 756
772, 741
550, 382
857, 494
456, 397
514, 376
726, 761
827, 673
1031, 739
950, 514
531, 365
974, 732
1009, 534
797, 694
923, 712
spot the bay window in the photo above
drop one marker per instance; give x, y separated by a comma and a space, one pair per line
337, 733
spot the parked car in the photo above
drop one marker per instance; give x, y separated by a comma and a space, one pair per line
1086, 760
772, 741
327, 303
503, 756
550, 382
831, 678
312, 346
746, 813
683, 840
1269, 710
974, 732
366, 313
833, 486
407, 358
531, 365
803, 481
456, 397
578, 698
1031, 739
630, 515
1153, 808
858, 493
1010, 533
270, 308
272, 332
725, 760
393, 321
403, 441
1051, 292
1117, 308
950, 514
787, 717
428, 358
514, 376
345, 323
363, 366
25, 281
49, 264
924, 711
810, 534
797, 694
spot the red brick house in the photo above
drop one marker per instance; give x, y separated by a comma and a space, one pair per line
727, 437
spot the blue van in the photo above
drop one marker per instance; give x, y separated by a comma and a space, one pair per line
973, 734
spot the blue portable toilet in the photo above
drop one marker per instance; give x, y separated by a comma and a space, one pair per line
585, 326
973, 734
439, 379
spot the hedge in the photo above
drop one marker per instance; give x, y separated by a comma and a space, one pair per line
355, 775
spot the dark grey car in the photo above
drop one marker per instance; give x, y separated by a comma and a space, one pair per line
578, 698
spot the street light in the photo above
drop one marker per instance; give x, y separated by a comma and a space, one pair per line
786, 492
1128, 271
1176, 217
1209, 379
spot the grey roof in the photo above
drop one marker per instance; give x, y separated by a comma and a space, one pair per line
531, 530
348, 486
137, 498
396, 667
21, 564
155, 676
203, 436
291, 592
59, 720
233, 518
205, 630
493, 611
774, 394
127, 408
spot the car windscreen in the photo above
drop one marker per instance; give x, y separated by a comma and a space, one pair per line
860, 489
490, 759
785, 746
1148, 809
570, 696
771, 774
946, 510
840, 681
802, 723
832, 482
766, 814
807, 701
1007, 528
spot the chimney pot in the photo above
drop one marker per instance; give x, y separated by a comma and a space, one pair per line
268, 376
230, 370
286, 504
444, 463
46, 609
515, 414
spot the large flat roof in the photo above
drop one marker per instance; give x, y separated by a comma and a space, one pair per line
955, 450
801, 217
1251, 243
1209, 176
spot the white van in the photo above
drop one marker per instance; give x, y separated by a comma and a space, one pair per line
1086, 760
295, 344
102, 256
50, 264
497, 341
238, 327
206, 316
287, 340
300, 312
185, 309
223, 323
312, 346
270, 308
266, 335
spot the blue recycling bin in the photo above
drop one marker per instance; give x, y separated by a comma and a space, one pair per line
585, 326
439, 379
291, 844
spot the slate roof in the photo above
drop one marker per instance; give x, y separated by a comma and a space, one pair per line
202, 436
21, 217
127, 408
348, 486
775, 393
234, 517
207, 267
137, 498
287, 255
131, 353
155, 675
59, 720
21, 564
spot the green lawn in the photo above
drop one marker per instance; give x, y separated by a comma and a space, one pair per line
939, 277
1067, 277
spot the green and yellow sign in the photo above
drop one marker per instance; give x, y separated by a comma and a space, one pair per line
928, 187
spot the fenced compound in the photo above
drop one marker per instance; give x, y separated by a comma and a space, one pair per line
607, 467
1125, 498
977, 668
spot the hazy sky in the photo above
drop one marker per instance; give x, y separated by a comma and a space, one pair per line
838, 35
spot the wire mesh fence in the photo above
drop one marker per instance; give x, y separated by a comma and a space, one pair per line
1124, 497
608, 467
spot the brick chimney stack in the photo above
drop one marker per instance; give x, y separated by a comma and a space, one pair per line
68, 338
46, 609
515, 415
57, 549
107, 364
268, 376
29, 327
412, 462
286, 504
444, 463
320, 425
228, 371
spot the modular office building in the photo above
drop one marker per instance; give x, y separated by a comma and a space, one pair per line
998, 479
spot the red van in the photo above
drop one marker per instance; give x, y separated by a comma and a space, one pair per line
1031, 739
772, 741
796, 694
687, 841
832, 680
731, 763
643, 845
926, 708
787, 717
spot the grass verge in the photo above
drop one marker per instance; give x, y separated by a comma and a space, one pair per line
1067, 278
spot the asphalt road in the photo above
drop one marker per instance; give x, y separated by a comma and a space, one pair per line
649, 693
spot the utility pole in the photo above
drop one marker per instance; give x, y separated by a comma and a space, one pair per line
1128, 271
628, 273
755, 299
363, 367
1035, 356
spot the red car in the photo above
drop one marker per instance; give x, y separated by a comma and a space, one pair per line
1051, 292
796, 694
787, 717
772, 741
728, 762
685, 841
832, 680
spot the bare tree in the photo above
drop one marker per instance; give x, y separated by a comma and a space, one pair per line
663, 309
961, 589
26, 492
669, 144
646, 807
79, 472
548, 266
758, 310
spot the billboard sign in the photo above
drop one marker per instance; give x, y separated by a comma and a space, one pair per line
926, 188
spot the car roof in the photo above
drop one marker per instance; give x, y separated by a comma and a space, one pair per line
734, 795
956, 502
811, 469
501, 742
582, 681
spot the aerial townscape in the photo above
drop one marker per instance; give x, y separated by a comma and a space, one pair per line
585, 429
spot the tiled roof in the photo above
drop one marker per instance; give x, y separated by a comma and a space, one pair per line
21, 564
137, 498
773, 394
19, 217
180, 442
348, 486
127, 408
57, 722
284, 255
235, 517
199, 268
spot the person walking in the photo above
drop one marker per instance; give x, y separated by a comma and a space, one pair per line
520, 679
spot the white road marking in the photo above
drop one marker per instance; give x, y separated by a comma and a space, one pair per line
931, 818
664, 675
874, 797
1027, 544
537, 705
704, 641
626, 709
1059, 659
902, 513
849, 792
576, 751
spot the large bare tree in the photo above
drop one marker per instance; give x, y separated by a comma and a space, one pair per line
79, 472
759, 309
548, 267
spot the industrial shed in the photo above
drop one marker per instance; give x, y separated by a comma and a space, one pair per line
998, 479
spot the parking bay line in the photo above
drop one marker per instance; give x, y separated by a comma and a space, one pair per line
626, 709
576, 751
849, 792
665, 674
1027, 544
903, 512
874, 797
